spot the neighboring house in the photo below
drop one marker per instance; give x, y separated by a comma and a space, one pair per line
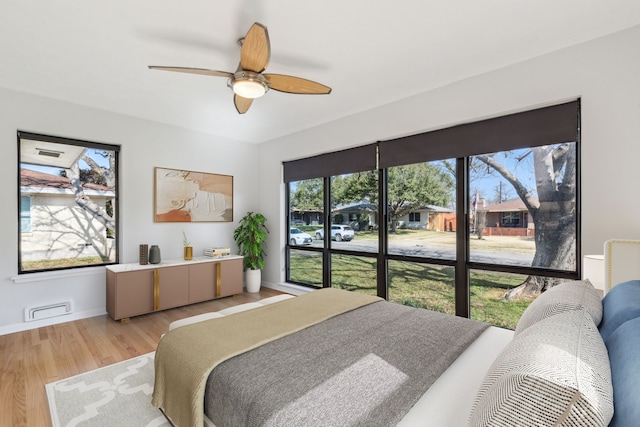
429, 217
509, 218
359, 215
53, 226
300, 217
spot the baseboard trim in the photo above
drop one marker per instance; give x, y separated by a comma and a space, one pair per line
20, 327
289, 288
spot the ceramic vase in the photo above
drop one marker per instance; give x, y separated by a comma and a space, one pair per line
154, 254
188, 253
144, 254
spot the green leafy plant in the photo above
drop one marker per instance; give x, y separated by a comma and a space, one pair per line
185, 241
250, 237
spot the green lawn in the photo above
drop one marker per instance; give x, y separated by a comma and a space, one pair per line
62, 263
418, 285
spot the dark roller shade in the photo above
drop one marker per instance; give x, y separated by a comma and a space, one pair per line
358, 159
543, 126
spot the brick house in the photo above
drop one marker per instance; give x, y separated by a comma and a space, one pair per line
509, 218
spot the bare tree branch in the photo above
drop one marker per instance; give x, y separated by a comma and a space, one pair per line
84, 201
109, 174
521, 190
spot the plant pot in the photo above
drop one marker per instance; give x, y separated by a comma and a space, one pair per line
252, 279
188, 253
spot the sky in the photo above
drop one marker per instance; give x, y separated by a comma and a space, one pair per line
92, 153
487, 184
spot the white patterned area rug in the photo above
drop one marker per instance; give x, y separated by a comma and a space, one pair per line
115, 395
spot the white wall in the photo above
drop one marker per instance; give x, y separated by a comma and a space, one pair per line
605, 73
145, 145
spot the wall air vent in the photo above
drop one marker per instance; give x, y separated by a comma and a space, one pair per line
46, 311
49, 153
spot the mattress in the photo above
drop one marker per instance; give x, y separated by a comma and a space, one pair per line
449, 400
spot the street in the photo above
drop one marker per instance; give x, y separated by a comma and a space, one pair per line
411, 248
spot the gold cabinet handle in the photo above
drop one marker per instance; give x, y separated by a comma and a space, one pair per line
218, 280
156, 289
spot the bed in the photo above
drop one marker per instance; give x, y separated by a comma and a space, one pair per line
572, 360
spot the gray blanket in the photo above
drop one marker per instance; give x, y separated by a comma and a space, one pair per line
366, 367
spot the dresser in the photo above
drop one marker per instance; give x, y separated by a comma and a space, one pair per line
134, 289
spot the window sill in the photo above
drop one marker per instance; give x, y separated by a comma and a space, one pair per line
61, 274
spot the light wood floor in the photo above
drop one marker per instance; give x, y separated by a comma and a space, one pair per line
31, 359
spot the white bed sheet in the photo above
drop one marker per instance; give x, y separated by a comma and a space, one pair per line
448, 402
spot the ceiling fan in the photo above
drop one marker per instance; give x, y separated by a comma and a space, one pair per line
248, 82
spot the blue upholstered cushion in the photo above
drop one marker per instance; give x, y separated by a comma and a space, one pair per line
620, 304
624, 356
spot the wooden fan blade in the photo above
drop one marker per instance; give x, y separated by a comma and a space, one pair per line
290, 84
242, 104
256, 49
202, 71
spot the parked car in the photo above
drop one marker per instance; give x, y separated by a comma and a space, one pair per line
339, 233
299, 237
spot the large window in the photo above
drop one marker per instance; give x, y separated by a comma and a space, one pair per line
421, 202
306, 209
473, 220
354, 210
67, 197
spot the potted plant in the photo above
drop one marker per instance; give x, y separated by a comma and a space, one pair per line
250, 237
188, 249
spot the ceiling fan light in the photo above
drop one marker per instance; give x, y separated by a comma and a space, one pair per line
248, 84
248, 88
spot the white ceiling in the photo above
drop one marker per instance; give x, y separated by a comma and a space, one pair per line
371, 52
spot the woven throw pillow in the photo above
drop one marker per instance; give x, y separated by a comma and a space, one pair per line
555, 373
563, 297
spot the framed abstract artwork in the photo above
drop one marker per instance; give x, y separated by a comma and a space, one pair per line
187, 196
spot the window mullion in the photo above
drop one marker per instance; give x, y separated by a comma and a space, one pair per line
326, 256
463, 308
382, 270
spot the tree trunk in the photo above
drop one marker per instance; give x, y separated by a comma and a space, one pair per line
554, 217
555, 251
85, 202
480, 223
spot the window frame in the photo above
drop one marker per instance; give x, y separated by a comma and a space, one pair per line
511, 219
110, 240
551, 125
